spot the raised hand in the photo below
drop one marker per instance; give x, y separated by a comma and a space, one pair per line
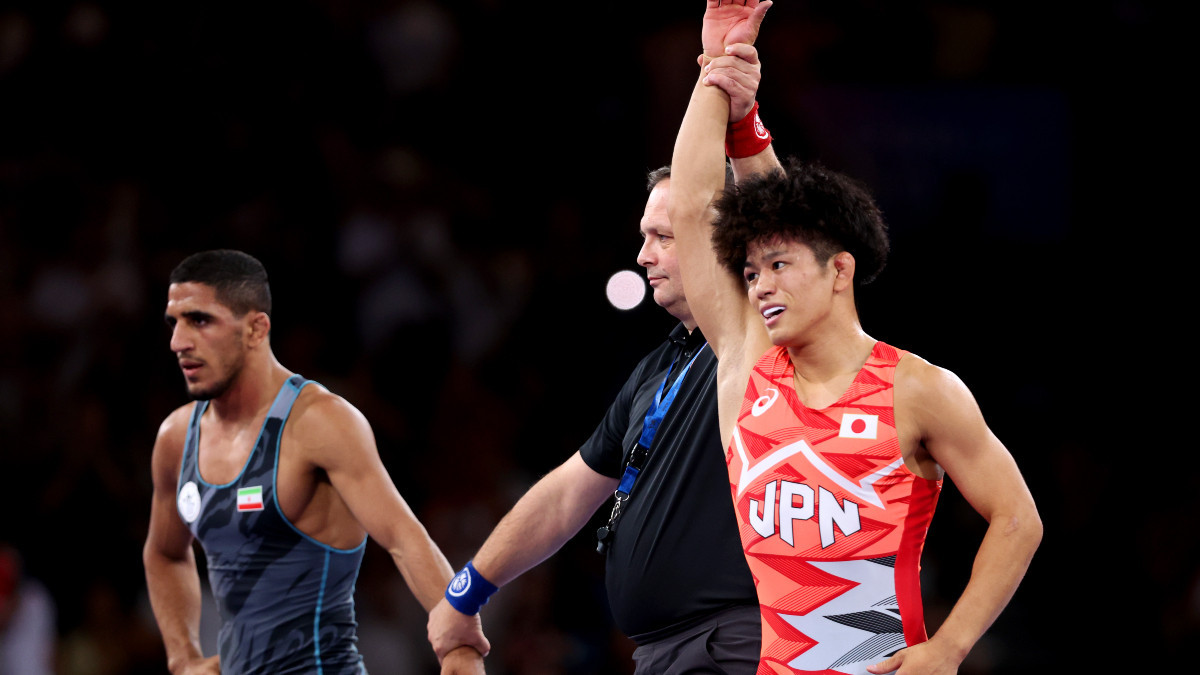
737, 74
728, 22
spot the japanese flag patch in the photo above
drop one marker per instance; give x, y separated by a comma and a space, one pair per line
859, 426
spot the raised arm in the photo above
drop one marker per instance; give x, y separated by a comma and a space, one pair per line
716, 296
951, 429
549, 514
337, 438
172, 580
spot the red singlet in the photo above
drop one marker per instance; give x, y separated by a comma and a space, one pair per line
832, 521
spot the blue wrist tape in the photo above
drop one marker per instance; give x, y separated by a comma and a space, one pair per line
468, 590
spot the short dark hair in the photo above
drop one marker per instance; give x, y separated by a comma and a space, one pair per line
827, 211
664, 172
239, 279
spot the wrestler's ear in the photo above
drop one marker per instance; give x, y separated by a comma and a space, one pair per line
843, 268
258, 328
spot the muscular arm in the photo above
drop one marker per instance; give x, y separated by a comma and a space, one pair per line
549, 514
553, 510
171, 576
717, 297
953, 432
338, 439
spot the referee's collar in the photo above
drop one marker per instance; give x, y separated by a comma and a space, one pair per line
690, 342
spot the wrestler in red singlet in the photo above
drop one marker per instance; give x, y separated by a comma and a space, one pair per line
831, 520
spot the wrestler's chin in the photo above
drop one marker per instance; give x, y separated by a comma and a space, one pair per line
201, 392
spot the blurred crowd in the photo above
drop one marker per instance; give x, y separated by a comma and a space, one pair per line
439, 190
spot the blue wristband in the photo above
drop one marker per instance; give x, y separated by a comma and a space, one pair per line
468, 590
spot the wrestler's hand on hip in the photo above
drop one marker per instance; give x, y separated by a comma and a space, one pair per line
923, 659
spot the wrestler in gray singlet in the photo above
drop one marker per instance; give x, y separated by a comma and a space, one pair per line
286, 600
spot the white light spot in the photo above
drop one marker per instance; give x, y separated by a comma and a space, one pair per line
625, 289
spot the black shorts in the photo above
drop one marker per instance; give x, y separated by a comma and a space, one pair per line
728, 642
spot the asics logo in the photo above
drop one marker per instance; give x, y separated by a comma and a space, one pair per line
764, 402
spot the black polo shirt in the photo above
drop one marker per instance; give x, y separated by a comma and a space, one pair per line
676, 556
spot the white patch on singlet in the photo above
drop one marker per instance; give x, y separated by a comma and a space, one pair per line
189, 502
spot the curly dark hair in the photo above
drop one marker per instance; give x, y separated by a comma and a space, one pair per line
823, 209
239, 279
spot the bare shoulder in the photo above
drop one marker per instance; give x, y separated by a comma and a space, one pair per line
942, 420
168, 444
173, 431
934, 405
321, 420
953, 432
920, 383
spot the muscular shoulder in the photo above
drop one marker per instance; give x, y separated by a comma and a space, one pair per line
168, 444
931, 396
321, 422
919, 380
173, 431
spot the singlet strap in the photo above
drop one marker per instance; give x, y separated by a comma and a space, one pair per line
191, 440
288, 394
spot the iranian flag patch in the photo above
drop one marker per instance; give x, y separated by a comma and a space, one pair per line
250, 498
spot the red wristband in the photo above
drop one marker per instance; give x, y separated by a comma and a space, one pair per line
747, 137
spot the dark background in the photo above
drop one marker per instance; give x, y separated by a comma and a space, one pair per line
439, 192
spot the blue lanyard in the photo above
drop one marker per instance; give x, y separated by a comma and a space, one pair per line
654, 416
633, 466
